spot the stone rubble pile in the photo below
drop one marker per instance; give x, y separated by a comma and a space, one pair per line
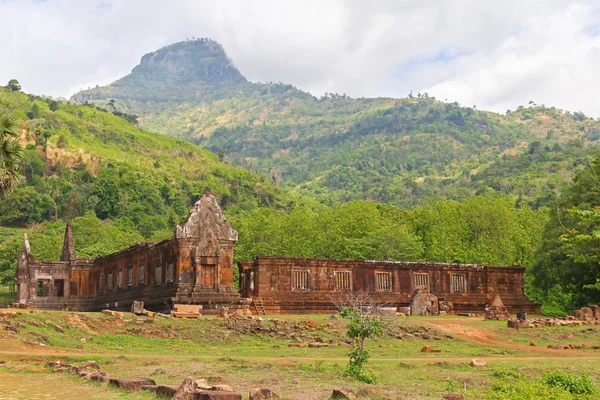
190, 389
425, 303
496, 310
583, 316
591, 313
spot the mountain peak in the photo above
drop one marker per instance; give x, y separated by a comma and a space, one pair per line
192, 60
192, 69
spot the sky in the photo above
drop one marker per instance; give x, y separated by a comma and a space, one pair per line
496, 55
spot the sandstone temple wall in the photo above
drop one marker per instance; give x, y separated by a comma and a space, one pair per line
299, 285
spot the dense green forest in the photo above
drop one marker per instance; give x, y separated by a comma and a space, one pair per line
566, 273
337, 149
481, 230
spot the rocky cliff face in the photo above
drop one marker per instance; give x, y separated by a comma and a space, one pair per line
195, 69
200, 59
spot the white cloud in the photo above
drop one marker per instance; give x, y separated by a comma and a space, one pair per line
496, 55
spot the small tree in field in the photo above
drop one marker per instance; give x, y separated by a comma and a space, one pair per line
365, 321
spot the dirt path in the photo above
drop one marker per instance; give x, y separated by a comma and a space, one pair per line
29, 351
489, 336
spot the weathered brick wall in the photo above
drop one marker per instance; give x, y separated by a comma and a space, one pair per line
273, 277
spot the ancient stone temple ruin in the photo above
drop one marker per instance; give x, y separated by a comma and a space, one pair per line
283, 285
194, 266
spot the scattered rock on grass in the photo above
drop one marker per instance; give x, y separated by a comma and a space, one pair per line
166, 390
478, 362
263, 394
131, 384
202, 384
186, 390
225, 388
344, 394
453, 396
92, 365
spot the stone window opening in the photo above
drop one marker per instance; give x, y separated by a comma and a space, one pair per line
101, 283
141, 273
43, 288
458, 283
383, 281
109, 281
300, 280
422, 280
120, 279
342, 280
158, 275
170, 273
130, 276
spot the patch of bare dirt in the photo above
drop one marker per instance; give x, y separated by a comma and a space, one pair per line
489, 336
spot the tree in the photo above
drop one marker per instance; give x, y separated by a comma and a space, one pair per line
107, 191
111, 105
53, 105
568, 262
14, 85
25, 205
365, 321
11, 153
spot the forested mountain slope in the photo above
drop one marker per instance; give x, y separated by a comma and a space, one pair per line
336, 148
81, 159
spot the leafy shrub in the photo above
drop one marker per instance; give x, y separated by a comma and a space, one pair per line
555, 385
526, 391
357, 367
506, 373
571, 383
317, 366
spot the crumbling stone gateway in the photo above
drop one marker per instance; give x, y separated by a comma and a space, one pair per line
195, 267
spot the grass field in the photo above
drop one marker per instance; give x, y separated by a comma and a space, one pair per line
244, 356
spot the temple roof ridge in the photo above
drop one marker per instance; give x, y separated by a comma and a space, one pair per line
206, 216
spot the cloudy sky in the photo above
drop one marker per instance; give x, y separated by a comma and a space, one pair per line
496, 55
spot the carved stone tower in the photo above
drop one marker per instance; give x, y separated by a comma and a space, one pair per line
206, 241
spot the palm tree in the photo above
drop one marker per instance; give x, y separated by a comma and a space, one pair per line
11, 154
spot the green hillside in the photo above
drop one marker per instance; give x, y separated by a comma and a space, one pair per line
81, 159
76, 149
336, 148
119, 184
